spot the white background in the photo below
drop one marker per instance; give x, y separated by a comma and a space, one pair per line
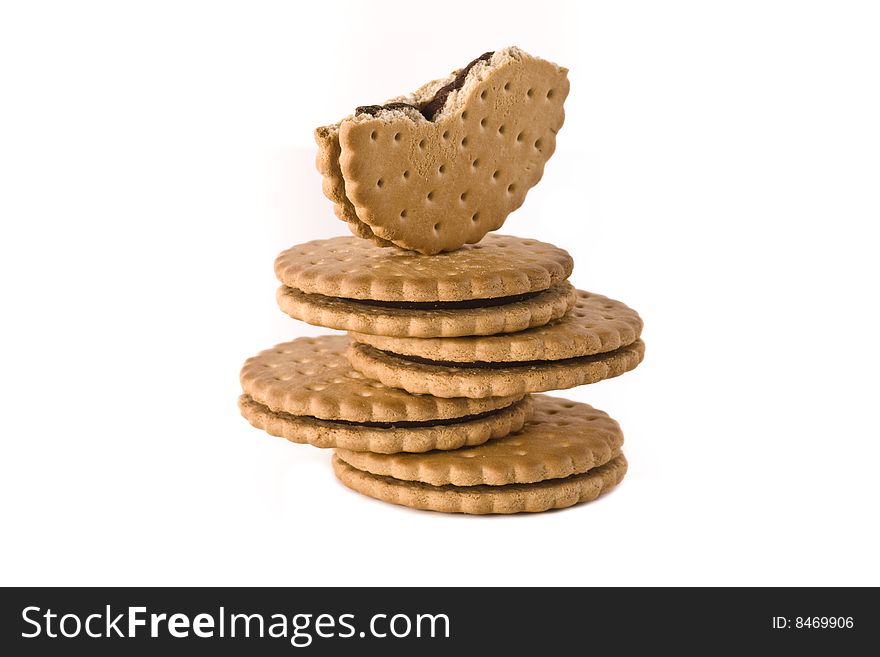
718, 171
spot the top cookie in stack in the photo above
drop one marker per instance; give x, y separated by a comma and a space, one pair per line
427, 401
446, 164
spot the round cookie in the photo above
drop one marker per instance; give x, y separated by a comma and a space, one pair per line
595, 325
388, 438
312, 377
561, 439
560, 431
350, 268
514, 498
430, 319
481, 380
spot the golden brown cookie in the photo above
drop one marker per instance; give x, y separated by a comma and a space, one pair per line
327, 163
430, 319
388, 438
561, 439
513, 498
312, 377
445, 165
349, 268
595, 325
568, 453
478, 380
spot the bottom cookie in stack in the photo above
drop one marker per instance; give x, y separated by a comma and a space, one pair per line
568, 453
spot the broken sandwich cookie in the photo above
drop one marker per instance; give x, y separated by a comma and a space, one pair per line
443, 166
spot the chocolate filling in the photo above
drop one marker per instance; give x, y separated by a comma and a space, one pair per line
447, 305
483, 365
432, 305
373, 110
406, 424
431, 108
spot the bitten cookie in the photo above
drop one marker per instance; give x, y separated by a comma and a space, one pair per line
445, 165
306, 391
503, 284
567, 453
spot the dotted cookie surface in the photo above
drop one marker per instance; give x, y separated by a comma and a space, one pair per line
384, 439
347, 267
312, 377
463, 380
513, 498
561, 439
595, 325
351, 315
433, 186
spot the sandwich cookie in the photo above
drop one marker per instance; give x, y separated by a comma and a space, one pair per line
306, 391
598, 339
566, 454
443, 166
501, 285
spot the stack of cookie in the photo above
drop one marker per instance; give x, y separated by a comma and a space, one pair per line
428, 400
